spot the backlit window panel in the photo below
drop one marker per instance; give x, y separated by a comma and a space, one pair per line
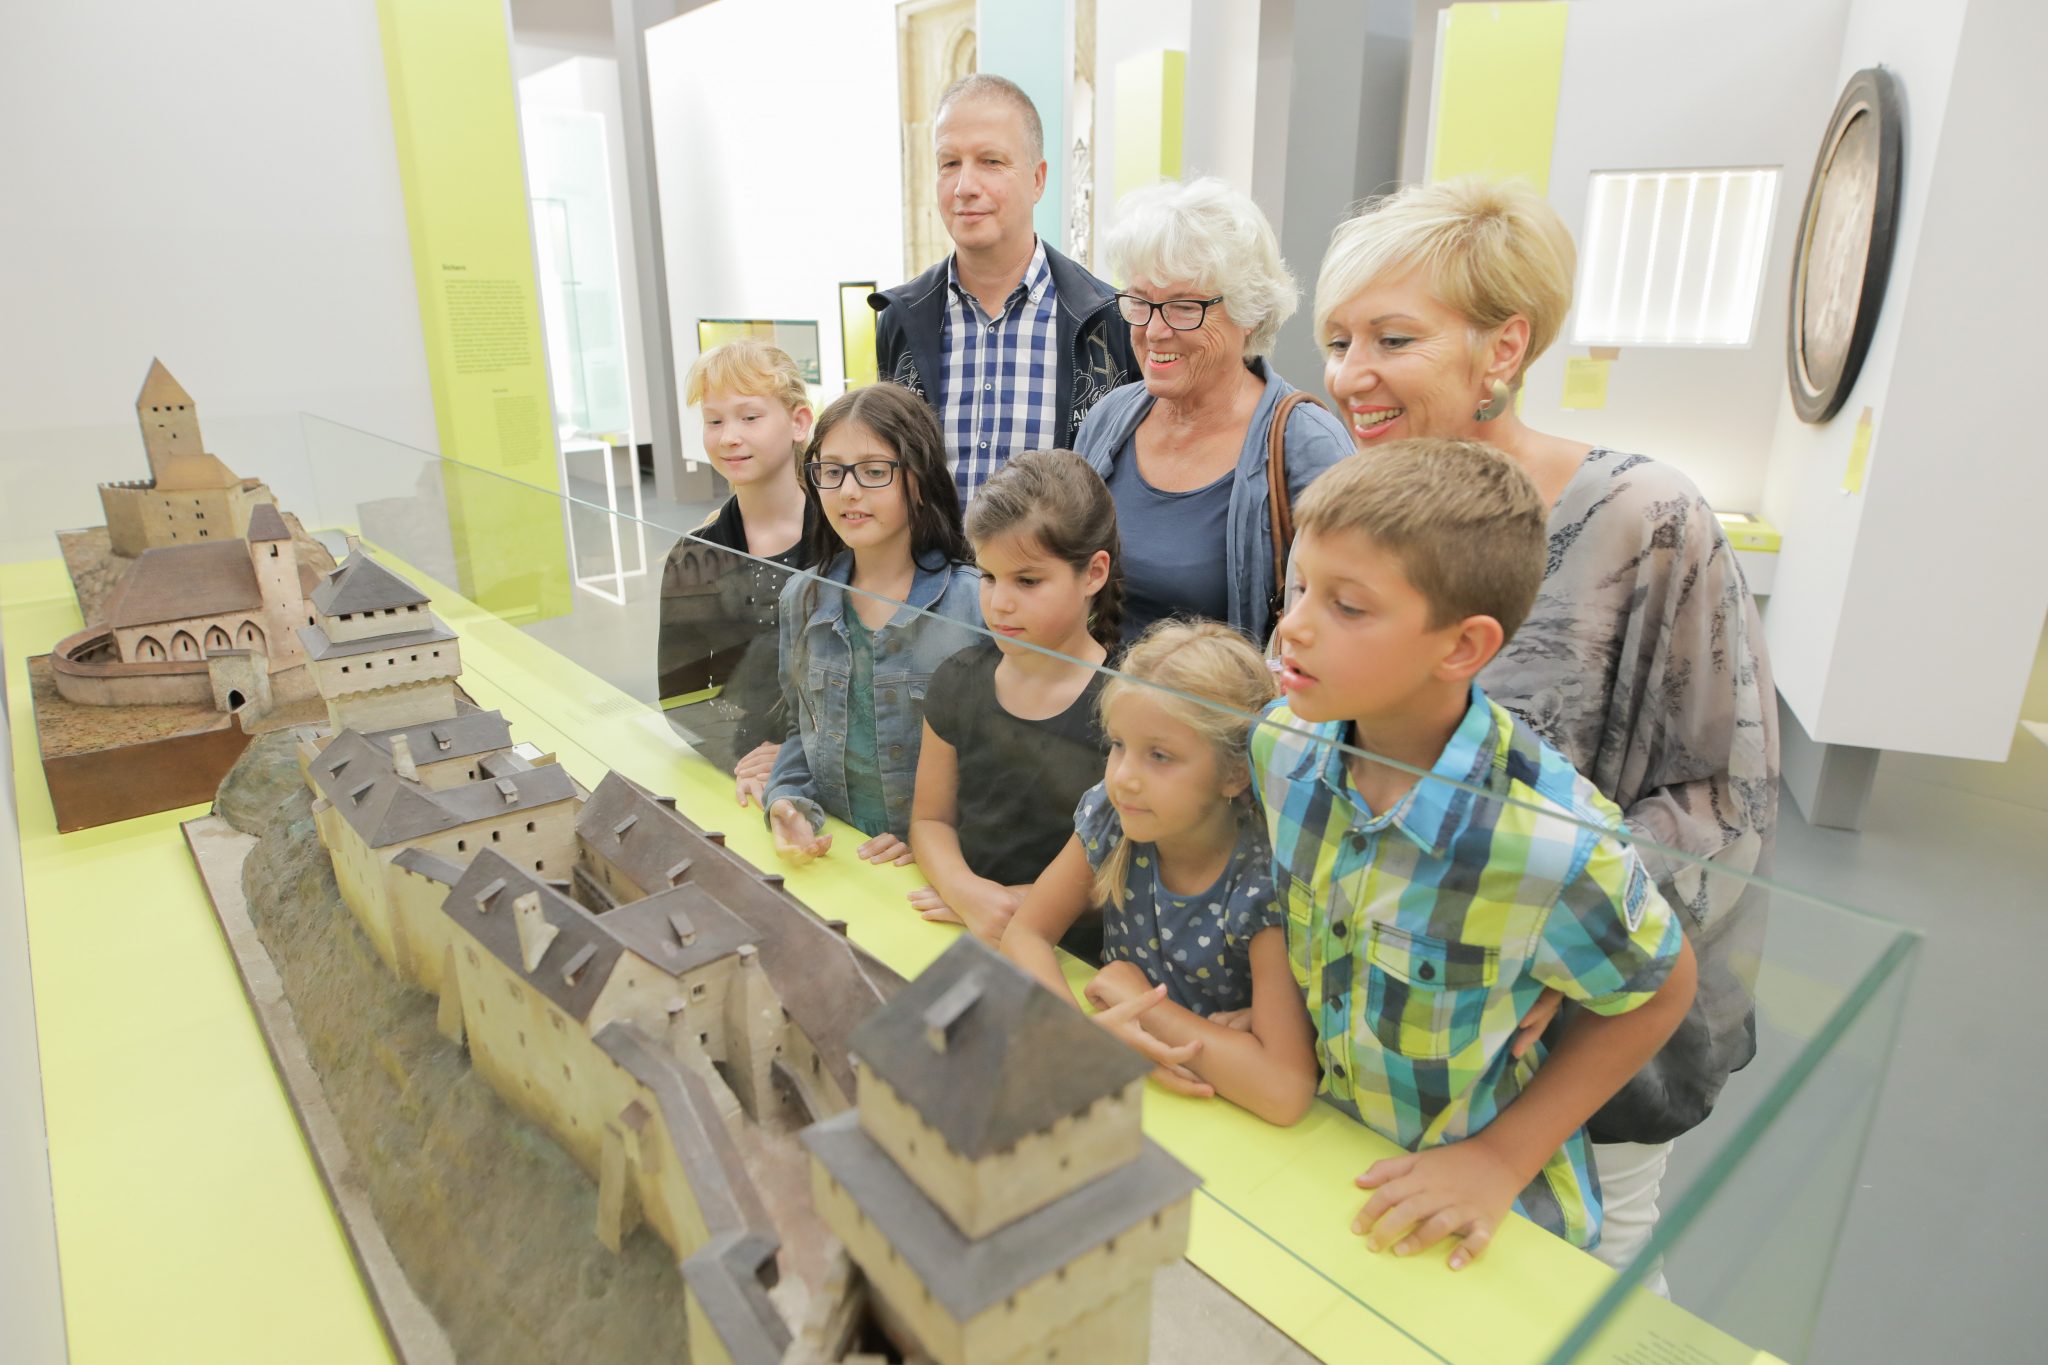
1673, 258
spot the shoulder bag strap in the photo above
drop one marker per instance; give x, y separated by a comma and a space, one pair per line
1279, 509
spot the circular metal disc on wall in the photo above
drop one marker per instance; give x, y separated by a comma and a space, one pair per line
1845, 245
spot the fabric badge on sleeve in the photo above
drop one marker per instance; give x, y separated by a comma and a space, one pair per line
1636, 896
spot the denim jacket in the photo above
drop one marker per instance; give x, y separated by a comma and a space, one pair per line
1315, 441
817, 662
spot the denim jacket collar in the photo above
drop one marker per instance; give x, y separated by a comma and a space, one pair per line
927, 585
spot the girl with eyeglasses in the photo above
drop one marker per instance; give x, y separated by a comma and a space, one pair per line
861, 636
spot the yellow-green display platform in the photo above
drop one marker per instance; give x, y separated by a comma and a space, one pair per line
191, 1224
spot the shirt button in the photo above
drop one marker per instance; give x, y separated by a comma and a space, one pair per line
1337, 1070
988, 386
1337, 928
1358, 843
888, 694
984, 445
895, 751
1426, 971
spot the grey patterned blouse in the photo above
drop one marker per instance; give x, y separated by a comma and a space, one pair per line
1643, 662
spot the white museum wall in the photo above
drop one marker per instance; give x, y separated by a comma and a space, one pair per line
219, 189
1691, 84
1907, 616
779, 177
1221, 40
591, 85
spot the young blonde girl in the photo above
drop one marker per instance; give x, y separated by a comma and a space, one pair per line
756, 417
1173, 849
863, 630
1011, 737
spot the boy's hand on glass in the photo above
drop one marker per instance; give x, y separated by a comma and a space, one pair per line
884, 848
750, 774
928, 903
1536, 1020
795, 841
1463, 1190
1124, 1020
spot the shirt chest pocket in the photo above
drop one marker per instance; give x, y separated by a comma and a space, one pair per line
1427, 997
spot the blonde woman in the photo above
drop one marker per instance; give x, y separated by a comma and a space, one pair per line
1643, 660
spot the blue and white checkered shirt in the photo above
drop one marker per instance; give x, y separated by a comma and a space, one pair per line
1000, 381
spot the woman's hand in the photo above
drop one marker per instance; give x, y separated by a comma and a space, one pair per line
1123, 1019
796, 842
884, 848
750, 774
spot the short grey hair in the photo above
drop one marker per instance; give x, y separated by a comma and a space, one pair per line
982, 85
1214, 237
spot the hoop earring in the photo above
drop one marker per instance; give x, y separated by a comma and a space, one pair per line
1494, 406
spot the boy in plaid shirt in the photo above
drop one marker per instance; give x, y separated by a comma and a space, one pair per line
1424, 920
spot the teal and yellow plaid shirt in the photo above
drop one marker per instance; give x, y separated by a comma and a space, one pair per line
1421, 936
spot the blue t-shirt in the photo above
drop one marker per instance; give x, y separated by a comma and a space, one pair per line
1200, 945
1173, 547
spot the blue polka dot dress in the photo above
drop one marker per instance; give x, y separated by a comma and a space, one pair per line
1200, 944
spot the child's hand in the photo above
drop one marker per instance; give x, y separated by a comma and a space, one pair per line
795, 841
986, 907
884, 848
1463, 1190
926, 901
1169, 1064
1241, 1020
1536, 1020
750, 774
1116, 983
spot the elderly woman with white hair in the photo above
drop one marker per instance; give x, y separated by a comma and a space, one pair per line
1185, 451
1643, 660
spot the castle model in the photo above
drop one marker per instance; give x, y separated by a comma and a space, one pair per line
672, 1018
208, 612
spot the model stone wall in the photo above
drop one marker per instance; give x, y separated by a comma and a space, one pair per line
146, 518
349, 627
393, 706
192, 639
982, 1196
374, 670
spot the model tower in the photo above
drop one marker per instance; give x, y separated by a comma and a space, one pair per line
189, 496
383, 660
993, 1185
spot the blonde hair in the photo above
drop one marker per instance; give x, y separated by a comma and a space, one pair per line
752, 368
1462, 518
1214, 683
1491, 250
1214, 238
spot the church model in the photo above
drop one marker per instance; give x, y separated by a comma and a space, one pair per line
672, 1018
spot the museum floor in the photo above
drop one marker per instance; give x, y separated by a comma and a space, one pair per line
1941, 1236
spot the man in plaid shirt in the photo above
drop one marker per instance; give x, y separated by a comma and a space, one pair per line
1009, 341
1425, 918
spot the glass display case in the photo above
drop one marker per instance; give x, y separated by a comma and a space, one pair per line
654, 662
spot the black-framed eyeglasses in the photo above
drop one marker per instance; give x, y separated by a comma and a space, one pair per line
1182, 315
866, 473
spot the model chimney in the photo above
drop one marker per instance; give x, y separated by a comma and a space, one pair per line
401, 758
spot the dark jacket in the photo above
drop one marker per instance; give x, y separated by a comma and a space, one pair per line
911, 326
